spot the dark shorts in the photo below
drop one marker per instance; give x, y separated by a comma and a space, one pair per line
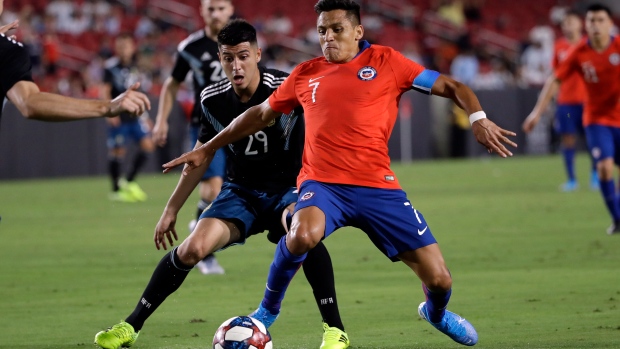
135, 130
385, 215
603, 142
568, 119
217, 168
251, 211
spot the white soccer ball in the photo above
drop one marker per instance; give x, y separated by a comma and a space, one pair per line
242, 332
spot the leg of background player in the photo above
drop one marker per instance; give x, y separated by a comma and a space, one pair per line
114, 167
605, 169
209, 190
568, 142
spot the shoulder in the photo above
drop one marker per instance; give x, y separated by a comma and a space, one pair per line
9, 45
192, 38
273, 77
111, 63
215, 90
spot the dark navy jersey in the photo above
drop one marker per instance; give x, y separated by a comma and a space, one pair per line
120, 77
198, 53
14, 66
268, 160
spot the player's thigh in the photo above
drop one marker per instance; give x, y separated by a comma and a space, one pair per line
307, 229
329, 207
210, 188
568, 119
209, 235
391, 222
600, 141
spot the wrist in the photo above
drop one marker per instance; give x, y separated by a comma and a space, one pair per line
477, 116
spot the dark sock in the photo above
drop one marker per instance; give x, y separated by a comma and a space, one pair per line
138, 162
167, 277
202, 205
114, 167
569, 162
436, 303
320, 274
282, 270
608, 190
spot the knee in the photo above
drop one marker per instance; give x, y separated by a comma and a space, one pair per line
605, 169
190, 254
440, 281
302, 238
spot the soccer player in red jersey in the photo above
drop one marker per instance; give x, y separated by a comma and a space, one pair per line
597, 61
570, 99
350, 98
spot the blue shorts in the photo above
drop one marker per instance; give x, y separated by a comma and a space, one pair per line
603, 142
568, 119
250, 210
385, 215
217, 168
136, 130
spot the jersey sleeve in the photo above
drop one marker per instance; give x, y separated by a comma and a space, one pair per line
284, 99
207, 129
567, 66
181, 67
17, 68
555, 61
108, 77
409, 74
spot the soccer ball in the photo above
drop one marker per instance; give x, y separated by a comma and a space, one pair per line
242, 332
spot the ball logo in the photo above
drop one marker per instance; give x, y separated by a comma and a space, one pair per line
596, 152
614, 58
307, 195
367, 73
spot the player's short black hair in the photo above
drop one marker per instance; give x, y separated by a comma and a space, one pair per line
599, 7
572, 12
125, 35
352, 8
235, 32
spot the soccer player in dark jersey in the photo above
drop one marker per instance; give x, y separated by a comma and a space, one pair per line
16, 84
258, 193
596, 61
198, 54
121, 71
350, 98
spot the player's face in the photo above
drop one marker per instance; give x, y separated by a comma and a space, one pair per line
216, 13
571, 26
124, 48
240, 64
598, 24
338, 36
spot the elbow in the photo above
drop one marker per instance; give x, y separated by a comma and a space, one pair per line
27, 111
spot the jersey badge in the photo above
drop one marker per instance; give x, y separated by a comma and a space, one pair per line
206, 57
271, 123
307, 195
614, 58
367, 73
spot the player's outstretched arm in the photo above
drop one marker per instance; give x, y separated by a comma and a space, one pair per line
13, 25
549, 90
486, 131
166, 101
37, 105
251, 121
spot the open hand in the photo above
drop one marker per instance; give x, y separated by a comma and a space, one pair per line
165, 230
493, 137
160, 133
530, 122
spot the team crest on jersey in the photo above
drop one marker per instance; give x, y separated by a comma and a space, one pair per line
367, 73
614, 58
307, 195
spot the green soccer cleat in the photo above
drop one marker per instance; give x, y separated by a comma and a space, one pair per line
134, 189
334, 338
122, 195
121, 335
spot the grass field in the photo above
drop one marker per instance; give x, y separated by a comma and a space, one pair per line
532, 267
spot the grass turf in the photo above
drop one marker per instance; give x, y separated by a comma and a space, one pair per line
532, 267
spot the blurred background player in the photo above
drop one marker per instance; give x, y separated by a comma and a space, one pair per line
259, 191
597, 62
570, 99
198, 54
122, 71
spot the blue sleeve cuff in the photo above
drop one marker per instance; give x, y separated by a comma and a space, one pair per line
424, 82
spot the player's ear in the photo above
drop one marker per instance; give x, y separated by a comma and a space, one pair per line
258, 54
359, 32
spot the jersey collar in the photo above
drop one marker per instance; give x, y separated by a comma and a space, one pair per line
363, 45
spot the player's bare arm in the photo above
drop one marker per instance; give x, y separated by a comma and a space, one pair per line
250, 122
37, 105
166, 101
13, 25
549, 90
165, 229
486, 131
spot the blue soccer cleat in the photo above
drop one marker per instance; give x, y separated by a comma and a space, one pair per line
265, 316
570, 185
594, 182
452, 325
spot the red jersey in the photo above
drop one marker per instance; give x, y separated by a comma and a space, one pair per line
601, 73
350, 110
572, 89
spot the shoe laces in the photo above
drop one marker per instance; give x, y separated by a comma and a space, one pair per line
121, 332
333, 334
